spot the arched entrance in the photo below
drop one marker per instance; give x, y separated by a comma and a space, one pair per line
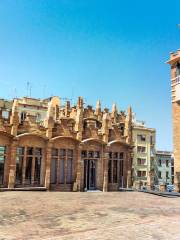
30, 160
92, 158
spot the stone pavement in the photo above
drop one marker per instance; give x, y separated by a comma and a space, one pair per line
92, 216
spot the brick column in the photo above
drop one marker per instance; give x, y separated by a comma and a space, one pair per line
24, 166
12, 167
32, 171
105, 177
78, 183
48, 165
129, 180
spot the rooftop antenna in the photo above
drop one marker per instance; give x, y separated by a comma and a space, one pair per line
15, 92
30, 88
27, 88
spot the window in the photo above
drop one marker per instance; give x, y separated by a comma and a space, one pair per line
159, 175
152, 150
141, 149
62, 171
121, 155
19, 164
55, 152
2, 163
121, 129
141, 137
30, 151
160, 162
69, 170
141, 161
23, 116
167, 163
83, 154
115, 171
115, 167
96, 154
62, 166
151, 140
110, 171
53, 178
61, 162
29, 157
90, 154
115, 155
62, 152
71, 126
5, 114
141, 173
167, 175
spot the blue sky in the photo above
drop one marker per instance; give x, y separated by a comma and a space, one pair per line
109, 49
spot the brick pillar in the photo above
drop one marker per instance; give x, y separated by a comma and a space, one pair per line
48, 165
24, 166
129, 177
12, 166
32, 171
78, 183
105, 180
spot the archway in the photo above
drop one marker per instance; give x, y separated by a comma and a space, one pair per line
30, 160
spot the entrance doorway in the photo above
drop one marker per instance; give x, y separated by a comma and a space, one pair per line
89, 174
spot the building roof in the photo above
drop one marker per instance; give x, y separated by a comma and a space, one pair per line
166, 153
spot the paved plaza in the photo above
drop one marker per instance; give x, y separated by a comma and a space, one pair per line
95, 215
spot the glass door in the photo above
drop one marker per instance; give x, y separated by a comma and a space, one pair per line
89, 175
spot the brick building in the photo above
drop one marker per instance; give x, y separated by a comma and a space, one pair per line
175, 91
65, 148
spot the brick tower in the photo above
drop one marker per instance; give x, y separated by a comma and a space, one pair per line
175, 92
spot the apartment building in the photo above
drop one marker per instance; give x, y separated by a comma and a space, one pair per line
144, 140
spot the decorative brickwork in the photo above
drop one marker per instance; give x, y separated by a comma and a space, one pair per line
64, 148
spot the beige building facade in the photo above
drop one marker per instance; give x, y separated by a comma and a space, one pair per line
64, 148
144, 140
174, 62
